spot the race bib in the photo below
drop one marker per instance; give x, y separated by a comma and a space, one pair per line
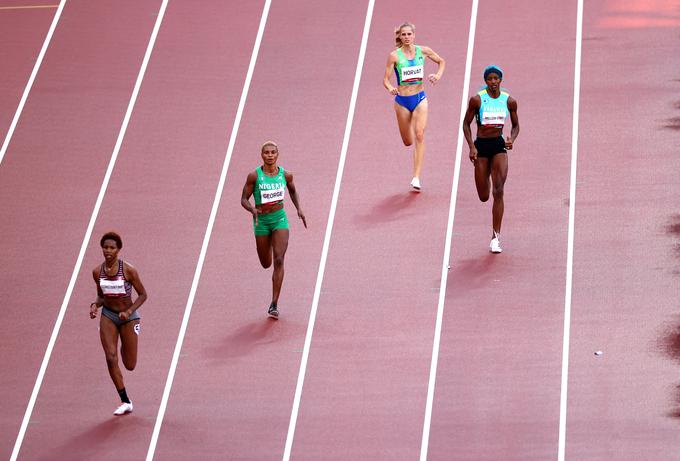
412, 73
112, 287
496, 117
275, 194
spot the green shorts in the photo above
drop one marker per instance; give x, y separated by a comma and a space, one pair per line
268, 223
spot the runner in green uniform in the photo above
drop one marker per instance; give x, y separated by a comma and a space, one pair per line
268, 184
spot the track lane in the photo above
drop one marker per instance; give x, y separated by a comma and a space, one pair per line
624, 404
498, 381
24, 32
159, 199
364, 393
49, 195
236, 377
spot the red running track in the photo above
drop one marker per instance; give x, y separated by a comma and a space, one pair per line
51, 174
24, 32
625, 404
498, 382
159, 199
236, 379
366, 382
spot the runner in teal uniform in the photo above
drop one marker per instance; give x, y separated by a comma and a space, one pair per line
407, 61
268, 185
488, 153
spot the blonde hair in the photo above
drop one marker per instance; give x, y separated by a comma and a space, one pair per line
397, 31
269, 143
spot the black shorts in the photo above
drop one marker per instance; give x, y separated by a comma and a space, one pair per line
488, 147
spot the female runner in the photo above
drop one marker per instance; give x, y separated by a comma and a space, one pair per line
268, 184
115, 279
410, 102
488, 153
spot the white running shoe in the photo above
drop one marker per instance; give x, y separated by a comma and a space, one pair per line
123, 409
495, 245
415, 183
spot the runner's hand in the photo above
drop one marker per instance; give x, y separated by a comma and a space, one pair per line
301, 215
473, 154
394, 91
255, 212
433, 78
124, 316
508, 143
93, 311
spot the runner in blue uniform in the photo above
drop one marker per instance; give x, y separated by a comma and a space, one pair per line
407, 61
268, 185
488, 153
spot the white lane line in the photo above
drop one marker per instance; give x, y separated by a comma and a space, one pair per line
88, 233
327, 237
570, 238
449, 236
206, 238
31, 79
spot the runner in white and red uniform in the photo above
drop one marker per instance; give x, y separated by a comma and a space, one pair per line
115, 279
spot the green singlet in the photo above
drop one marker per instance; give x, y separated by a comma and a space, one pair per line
269, 191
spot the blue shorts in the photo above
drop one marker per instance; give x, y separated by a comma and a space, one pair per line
410, 102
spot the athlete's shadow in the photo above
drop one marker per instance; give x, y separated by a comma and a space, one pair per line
669, 346
245, 340
471, 274
93, 442
673, 123
390, 208
673, 230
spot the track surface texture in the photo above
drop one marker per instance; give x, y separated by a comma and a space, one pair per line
245, 387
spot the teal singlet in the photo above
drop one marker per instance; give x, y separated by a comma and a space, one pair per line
269, 190
410, 71
493, 111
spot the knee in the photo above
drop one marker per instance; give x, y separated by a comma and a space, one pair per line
266, 264
498, 192
484, 197
278, 261
420, 136
407, 142
130, 366
111, 359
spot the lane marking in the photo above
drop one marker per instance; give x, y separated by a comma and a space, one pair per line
570, 238
29, 7
327, 237
449, 236
88, 234
31, 79
206, 237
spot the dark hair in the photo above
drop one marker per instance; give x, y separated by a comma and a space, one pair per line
492, 69
111, 236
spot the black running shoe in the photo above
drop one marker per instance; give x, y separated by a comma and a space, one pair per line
273, 312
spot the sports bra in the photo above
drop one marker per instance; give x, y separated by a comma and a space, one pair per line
493, 111
117, 286
410, 71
